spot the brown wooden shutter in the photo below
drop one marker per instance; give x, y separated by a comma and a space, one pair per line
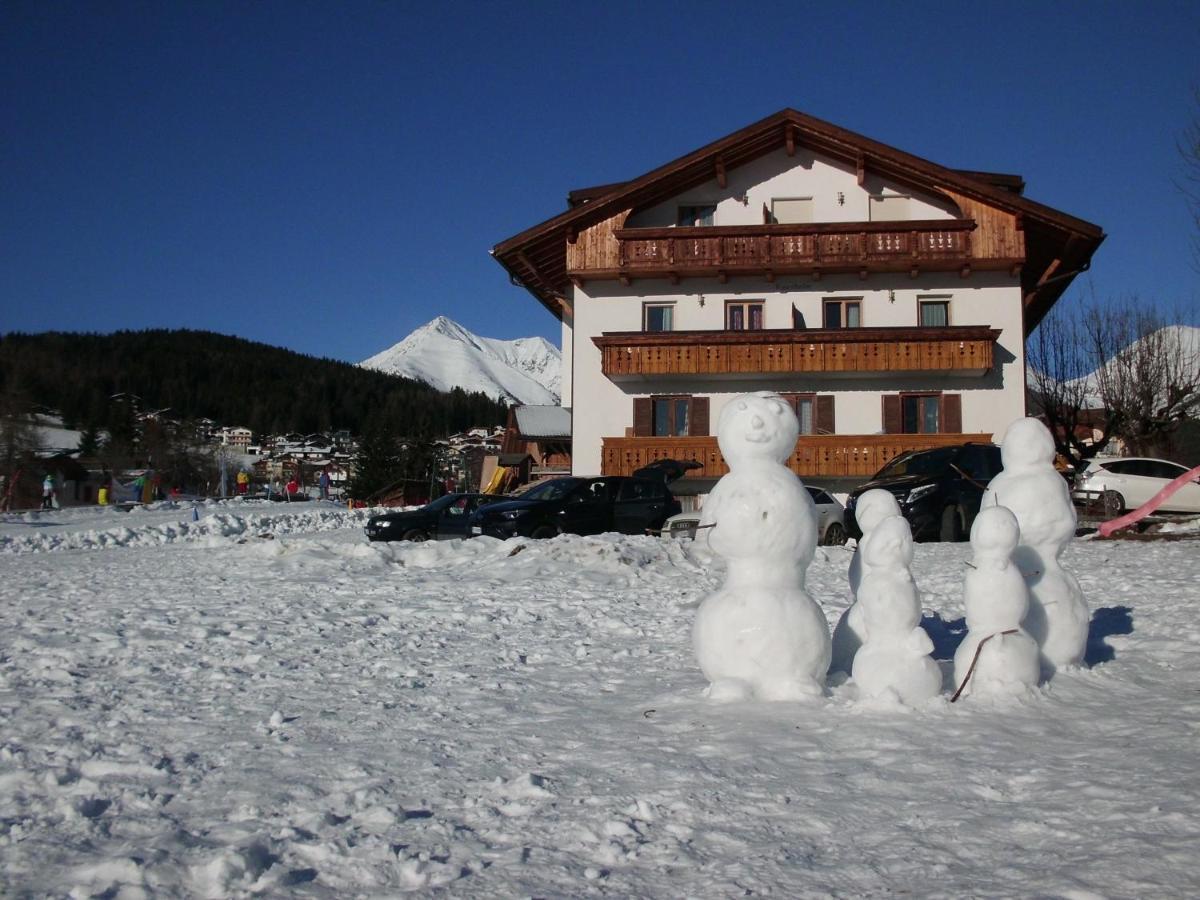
892, 422
823, 422
698, 417
643, 417
951, 414
791, 400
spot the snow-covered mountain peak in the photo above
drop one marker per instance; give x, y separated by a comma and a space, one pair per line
446, 355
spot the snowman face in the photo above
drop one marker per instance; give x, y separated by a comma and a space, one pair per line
889, 545
873, 507
1027, 442
759, 426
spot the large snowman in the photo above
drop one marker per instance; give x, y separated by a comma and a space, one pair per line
1041, 501
760, 634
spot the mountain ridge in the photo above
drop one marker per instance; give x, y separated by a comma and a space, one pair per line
444, 354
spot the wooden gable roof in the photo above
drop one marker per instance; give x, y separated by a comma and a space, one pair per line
1058, 245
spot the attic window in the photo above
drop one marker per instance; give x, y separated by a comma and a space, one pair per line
792, 210
890, 208
696, 215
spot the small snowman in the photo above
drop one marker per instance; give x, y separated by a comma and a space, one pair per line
894, 659
760, 634
1038, 496
873, 507
997, 600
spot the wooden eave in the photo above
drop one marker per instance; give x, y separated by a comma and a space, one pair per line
886, 334
543, 270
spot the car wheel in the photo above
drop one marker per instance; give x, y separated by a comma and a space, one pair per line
544, 532
1114, 504
951, 530
835, 535
415, 534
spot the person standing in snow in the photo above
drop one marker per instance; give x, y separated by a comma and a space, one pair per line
323, 483
48, 492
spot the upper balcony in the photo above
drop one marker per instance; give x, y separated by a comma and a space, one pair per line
773, 250
948, 350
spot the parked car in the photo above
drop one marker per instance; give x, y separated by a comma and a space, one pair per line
444, 518
831, 520
938, 490
579, 506
1128, 482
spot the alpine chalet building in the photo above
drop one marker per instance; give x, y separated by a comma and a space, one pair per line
886, 297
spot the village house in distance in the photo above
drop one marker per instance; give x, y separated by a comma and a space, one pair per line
885, 296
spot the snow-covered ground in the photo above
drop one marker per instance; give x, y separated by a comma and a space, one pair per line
260, 701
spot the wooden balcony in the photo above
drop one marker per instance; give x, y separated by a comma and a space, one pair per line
816, 456
771, 250
950, 350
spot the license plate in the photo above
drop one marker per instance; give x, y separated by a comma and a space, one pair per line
476, 529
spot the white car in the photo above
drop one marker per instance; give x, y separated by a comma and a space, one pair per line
1128, 482
831, 520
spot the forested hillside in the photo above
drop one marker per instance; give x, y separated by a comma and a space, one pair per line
200, 374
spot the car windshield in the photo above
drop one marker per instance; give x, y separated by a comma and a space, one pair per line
441, 503
931, 462
552, 489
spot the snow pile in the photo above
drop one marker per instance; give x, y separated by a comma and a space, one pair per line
316, 714
171, 522
445, 355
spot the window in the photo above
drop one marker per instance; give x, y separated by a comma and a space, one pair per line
814, 412
921, 413
818, 496
792, 211
934, 313
741, 316
924, 413
657, 317
670, 416
889, 208
696, 215
843, 313
642, 489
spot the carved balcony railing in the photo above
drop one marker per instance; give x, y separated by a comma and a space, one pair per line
782, 249
951, 350
816, 456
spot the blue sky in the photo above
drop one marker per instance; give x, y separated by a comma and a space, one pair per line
328, 176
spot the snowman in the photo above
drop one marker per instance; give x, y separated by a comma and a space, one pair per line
997, 600
1038, 496
873, 507
760, 634
894, 659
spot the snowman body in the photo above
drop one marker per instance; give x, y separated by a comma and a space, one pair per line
894, 659
1040, 499
997, 653
872, 508
760, 634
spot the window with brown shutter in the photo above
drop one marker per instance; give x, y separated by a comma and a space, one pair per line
813, 411
923, 413
823, 420
675, 415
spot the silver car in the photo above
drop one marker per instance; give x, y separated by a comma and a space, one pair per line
831, 520
1128, 482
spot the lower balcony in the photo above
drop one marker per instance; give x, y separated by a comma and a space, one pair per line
949, 350
816, 456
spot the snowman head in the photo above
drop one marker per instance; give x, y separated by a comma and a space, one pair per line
995, 533
758, 426
1027, 442
873, 507
889, 545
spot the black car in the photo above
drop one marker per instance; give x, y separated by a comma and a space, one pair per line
580, 506
446, 517
938, 490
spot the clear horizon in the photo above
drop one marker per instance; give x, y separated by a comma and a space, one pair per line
330, 179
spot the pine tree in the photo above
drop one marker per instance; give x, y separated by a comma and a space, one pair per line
378, 464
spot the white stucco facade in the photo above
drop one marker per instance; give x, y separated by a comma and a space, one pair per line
604, 408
